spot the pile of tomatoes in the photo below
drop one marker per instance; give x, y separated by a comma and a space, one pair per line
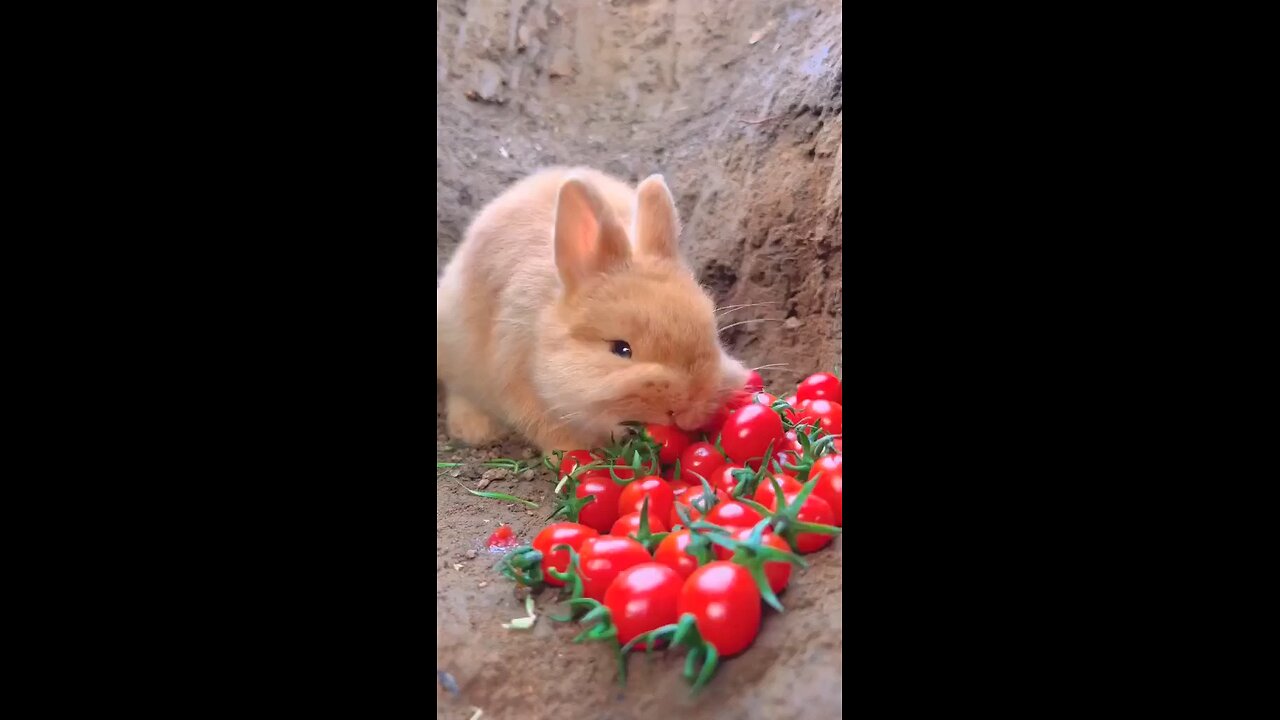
668, 538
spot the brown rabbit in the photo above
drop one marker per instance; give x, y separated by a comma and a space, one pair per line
568, 310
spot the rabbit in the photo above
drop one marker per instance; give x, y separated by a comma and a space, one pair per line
568, 310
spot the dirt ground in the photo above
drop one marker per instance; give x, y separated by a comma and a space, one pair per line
738, 104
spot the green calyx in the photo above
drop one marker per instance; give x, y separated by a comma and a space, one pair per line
523, 565
785, 519
814, 443
601, 628
635, 467
572, 578
649, 540
747, 481
701, 662
703, 504
571, 505
752, 554
639, 444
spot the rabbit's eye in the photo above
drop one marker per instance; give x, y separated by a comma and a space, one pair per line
622, 349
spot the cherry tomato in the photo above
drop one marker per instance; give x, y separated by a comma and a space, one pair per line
574, 460
698, 461
820, 386
764, 398
764, 491
603, 511
778, 573
792, 442
502, 538
574, 535
731, 514
698, 503
814, 510
749, 431
723, 480
678, 488
825, 414
755, 383
660, 495
603, 557
726, 604
642, 598
830, 475
838, 444
629, 524
671, 553
672, 441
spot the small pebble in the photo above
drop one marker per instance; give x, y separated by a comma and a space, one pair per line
447, 682
491, 475
483, 583
471, 554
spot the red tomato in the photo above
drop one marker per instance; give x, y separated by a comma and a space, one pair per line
726, 603
697, 502
814, 510
562, 533
764, 491
679, 487
603, 557
723, 480
699, 460
601, 512
764, 398
502, 538
777, 573
574, 460
629, 524
660, 495
830, 475
755, 383
671, 553
731, 514
820, 386
748, 432
642, 598
672, 441
838, 444
792, 442
823, 413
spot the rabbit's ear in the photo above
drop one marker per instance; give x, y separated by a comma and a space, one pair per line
657, 224
589, 240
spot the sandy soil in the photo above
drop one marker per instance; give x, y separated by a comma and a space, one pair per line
739, 105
